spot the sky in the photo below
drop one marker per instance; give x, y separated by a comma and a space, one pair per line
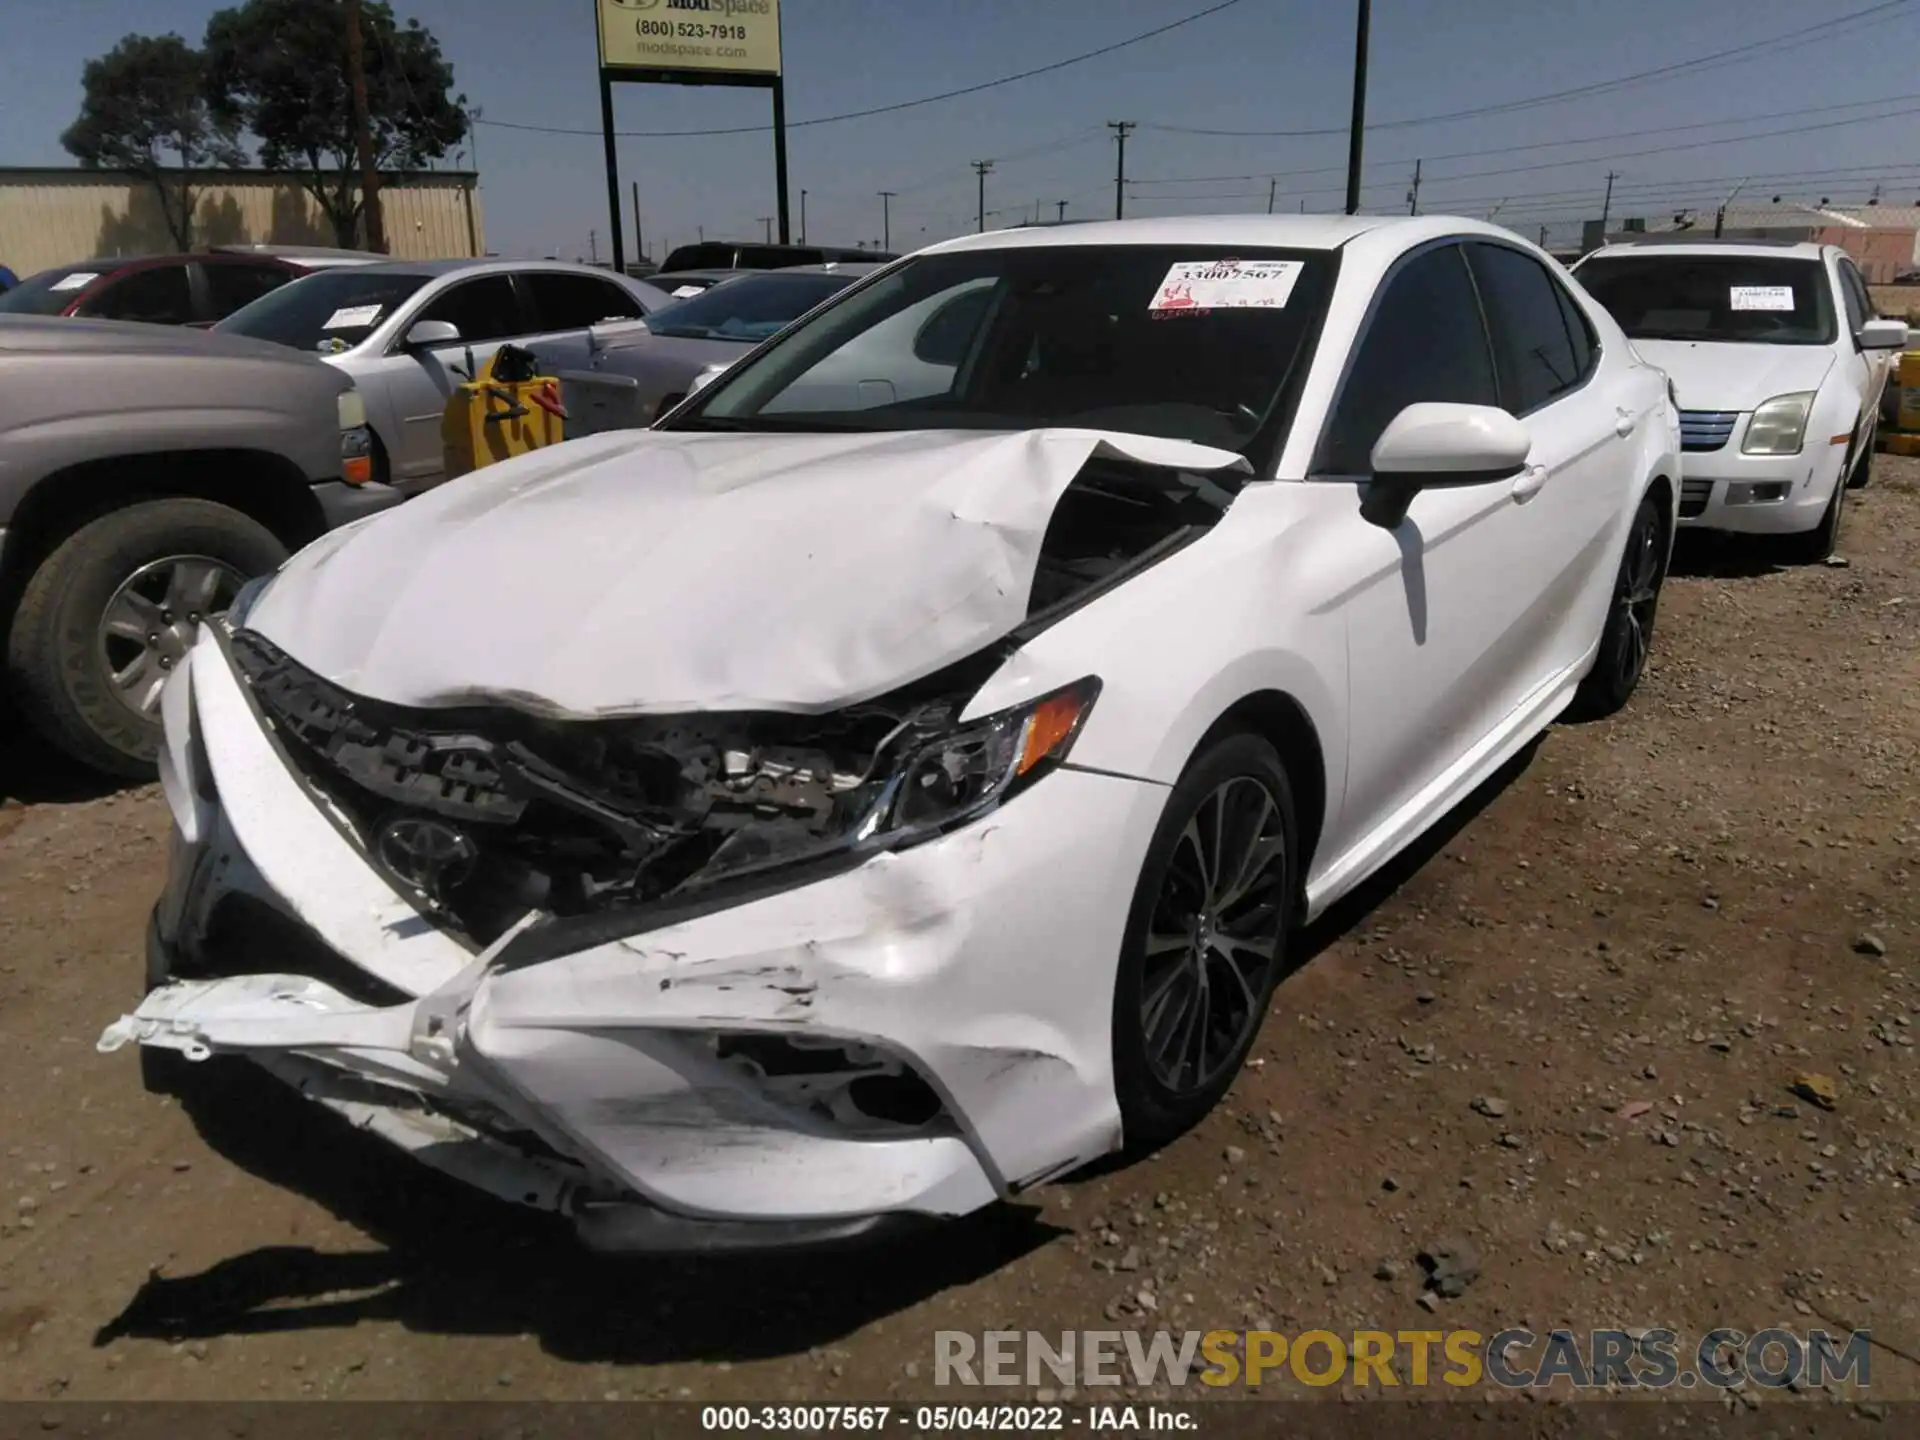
1827, 115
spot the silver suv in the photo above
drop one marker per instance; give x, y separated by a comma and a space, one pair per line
146, 473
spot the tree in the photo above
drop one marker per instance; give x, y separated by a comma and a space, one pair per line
145, 113
280, 68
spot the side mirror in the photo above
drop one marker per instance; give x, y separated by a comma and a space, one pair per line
426, 334
707, 376
609, 333
1883, 335
1430, 445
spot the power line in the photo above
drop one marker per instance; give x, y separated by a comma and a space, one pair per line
1609, 157
1543, 144
898, 105
1578, 92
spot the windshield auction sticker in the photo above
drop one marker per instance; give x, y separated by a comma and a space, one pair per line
1762, 297
353, 317
1226, 285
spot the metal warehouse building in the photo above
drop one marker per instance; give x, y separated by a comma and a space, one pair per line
55, 216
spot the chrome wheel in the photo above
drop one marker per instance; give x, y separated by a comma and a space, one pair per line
1637, 597
1214, 937
151, 620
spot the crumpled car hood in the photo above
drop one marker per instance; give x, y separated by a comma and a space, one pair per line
654, 572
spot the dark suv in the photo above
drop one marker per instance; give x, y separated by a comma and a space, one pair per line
158, 289
730, 255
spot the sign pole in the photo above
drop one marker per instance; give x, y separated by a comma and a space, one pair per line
613, 172
780, 151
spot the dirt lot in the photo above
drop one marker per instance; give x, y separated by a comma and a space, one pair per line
1626, 952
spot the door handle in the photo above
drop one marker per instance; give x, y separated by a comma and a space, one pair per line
1528, 484
1623, 423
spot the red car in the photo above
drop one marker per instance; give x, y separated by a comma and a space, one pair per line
159, 289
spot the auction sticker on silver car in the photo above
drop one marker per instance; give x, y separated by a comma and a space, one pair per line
1227, 285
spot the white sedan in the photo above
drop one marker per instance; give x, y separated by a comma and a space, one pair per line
1778, 361
892, 782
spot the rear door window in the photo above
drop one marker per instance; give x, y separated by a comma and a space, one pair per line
157, 295
1529, 328
574, 302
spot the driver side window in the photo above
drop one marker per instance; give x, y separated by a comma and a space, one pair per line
1425, 341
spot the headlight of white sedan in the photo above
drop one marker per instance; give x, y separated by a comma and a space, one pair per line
1779, 425
975, 767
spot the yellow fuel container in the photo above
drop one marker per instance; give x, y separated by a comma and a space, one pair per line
487, 421
1907, 376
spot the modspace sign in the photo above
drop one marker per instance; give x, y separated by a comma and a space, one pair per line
739, 37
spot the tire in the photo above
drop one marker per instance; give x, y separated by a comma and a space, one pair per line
1863, 472
1627, 637
1161, 1098
61, 656
1815, 545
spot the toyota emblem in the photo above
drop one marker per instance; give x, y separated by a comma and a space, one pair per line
428, 854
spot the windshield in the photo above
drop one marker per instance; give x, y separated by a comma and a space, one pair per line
49, 292
747, 309
1183, 342
329, 311
1743, 299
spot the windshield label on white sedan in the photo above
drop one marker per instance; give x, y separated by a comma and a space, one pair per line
353, 317
1226, 285
79, 280
1762, 297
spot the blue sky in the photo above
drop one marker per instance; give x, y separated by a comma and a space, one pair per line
1258, 65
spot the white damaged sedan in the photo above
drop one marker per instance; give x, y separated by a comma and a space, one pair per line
891, 781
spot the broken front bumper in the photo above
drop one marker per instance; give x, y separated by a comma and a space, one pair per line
696, 1084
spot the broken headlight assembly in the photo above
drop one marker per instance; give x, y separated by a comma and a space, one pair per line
950, 780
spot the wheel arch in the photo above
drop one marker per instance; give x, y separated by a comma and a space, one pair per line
1282, 721
264, 487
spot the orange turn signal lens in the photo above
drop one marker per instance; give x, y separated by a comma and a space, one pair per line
357, 469
1052, 724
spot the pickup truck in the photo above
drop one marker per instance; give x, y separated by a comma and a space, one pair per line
146, 474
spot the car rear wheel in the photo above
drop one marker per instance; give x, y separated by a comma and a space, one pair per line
1205, 942
1627, 637
112, 610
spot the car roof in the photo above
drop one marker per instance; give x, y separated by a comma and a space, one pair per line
492, 266
1278, 232
1708, 245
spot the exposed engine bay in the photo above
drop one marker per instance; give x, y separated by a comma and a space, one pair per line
482, 815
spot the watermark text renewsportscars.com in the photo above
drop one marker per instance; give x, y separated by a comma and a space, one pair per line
1514, 1359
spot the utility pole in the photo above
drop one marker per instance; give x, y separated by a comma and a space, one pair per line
767, 220
1606, 205
980, 168
1357, 127
593, 247
803, 217
1061, 218
1720, 215
1273, 189
363, 133
1543, 237
1413, 195
1121, 129
639, 244
886, 218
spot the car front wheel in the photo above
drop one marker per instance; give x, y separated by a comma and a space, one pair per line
108, 615
1206, 938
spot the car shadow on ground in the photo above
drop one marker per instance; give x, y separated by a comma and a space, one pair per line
34, 773
458, 1262
1710, 555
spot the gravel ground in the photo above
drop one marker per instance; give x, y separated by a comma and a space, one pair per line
1565, 1033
